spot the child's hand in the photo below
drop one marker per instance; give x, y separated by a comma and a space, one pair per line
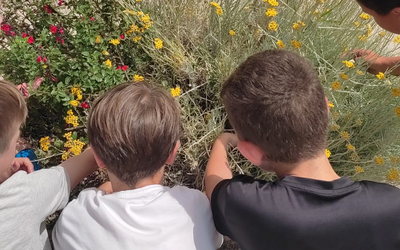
374, 61
24, 164
228, 140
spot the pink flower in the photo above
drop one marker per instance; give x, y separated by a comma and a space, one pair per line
84, 105
54, 79
122, 36
92, 19
119, 67
58, 39
47, 9
124, 68
5, 27
62, 41
60, 2
44, 59
24, 35
61, 30
53, 29
12, 33
31, 40
39, 59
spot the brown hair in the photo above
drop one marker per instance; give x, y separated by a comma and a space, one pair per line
133, 128
13, 112
275, 100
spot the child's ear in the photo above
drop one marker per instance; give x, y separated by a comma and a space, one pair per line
396, 11
99, 162
171, 157
251, 152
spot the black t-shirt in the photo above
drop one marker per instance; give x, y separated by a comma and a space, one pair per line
298, 213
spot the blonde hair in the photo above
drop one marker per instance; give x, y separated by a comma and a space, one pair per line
13, 112
133, 128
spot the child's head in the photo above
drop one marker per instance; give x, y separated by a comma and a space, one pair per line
276, 102
134, 130
385, 12
13, 112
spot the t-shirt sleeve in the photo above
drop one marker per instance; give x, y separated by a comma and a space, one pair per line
50, 190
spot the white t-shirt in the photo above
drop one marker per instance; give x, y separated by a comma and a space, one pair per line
25, 202
152, 217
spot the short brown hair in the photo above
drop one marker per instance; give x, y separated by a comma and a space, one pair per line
133, 128
13, 112
276, 101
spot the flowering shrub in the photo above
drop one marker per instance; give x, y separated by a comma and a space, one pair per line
82, 48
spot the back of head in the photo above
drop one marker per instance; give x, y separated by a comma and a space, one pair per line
133, 128
13, 112
275, 101
382, 7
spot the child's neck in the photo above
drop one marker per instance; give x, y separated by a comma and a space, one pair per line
118, 185
317, 168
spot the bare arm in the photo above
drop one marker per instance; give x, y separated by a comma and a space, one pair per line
78, 167
218, 165
379, 63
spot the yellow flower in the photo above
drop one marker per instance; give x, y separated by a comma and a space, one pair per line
379, 160
271, 12
74, 103
138, 0
129, 12
344, 135
232, 32
336, 85
273, 26
331, 105
175, 91
137, 39
327, 153
98, 39
395, 159
280, 44
79, 97
65, 156
344, 76
104, 52
359, 72
76, 90
359, 169
296, 44
45, 143
138, 78
140, 13
273, 3
146, 21
354, 156
114, 42
380, 76
348, 64
396, 39
356, 24
350, 147
71, 119
298, 25
335, 127
396, 92
393, 175
76, 147
44, 66
218, 8
397, 110
365, 16
362, 38
382, 34
315, 12
108, 63
158, 43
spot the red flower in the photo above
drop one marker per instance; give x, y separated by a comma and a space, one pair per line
24, 35
31, 40
53, 29
84, 105
39, 59
122, 36
61, 30
58, 39
12, 33
54, 78
92, 19
119, 67
44, 59
62, 41
47, 9
5, 27
124, 68
60, 2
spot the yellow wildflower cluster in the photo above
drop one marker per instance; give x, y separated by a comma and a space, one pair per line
359, 72
232, 32
271, 12
344, 76
344, 135
280, 44
138, 78
379, 160
350, 147
175, 91
393, 175
365, 16
158, 43
77, 91
218, 8
273, 25
335, 127
395, 92
98, 39
396, 39
397, 110
357, 24
74, 146
273, 3
348, 64
137, 39
382, 34
132, 29
114, 42
296, 44
380, 76
336, 85
147, 23
331, 105
74, 103
71, 118
298, 25
45, 143
108, 63
358, 169
328, 153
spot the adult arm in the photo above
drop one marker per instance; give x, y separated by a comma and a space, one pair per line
379, 63
218, 165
